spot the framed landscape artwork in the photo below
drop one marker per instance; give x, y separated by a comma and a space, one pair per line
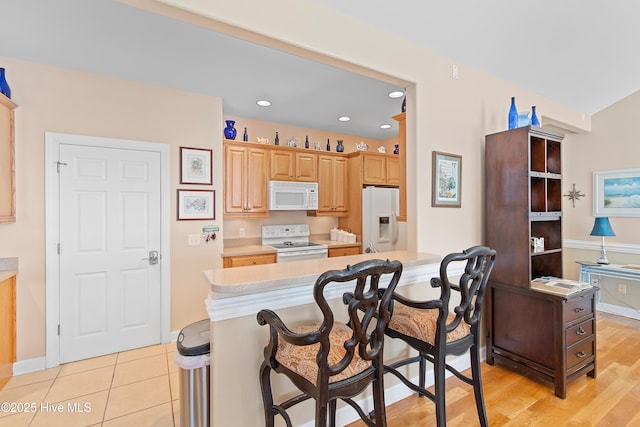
446, 182
196, 204
195, 165
616, 193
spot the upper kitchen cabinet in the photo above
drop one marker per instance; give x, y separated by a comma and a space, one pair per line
333, 185
7, 161
380, 169
289, 165
246, 172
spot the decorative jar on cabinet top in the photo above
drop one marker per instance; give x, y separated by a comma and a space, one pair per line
230, 131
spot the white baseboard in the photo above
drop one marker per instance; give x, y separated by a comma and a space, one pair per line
29, 365
616, 309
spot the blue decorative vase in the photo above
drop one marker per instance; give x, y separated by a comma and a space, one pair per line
230, 132
306, 142
339, 147
396, 150
534, 117
513, 114
4, 86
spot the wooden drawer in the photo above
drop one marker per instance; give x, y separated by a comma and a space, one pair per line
579, 332
579, 355
578, 307
343, 251
247, 260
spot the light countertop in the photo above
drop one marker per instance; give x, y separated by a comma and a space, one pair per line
228, 282
7, 274
261, 249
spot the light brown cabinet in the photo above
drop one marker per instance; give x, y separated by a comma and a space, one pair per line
344, 251
380, 170
248, 260
7, 161
333, 185
293, 166
7, 329
246, 175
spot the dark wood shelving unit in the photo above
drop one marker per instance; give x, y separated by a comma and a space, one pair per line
550, 336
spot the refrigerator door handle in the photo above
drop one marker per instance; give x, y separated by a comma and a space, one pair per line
394, 229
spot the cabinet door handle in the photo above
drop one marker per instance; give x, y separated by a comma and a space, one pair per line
580, 331
579, 309
581, 354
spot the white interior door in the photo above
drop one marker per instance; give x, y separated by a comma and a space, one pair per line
110, 223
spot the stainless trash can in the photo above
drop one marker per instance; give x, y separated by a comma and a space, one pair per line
192, 358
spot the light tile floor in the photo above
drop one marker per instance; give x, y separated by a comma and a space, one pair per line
137, 387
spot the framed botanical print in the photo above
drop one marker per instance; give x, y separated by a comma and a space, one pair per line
196, 165
446, 181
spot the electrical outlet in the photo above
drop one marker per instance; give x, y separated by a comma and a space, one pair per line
622, 289
241, 232
454, 72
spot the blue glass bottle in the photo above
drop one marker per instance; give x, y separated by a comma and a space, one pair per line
4, 86
513, 114
230, 131
534, 117
245, 137
306, 142
277, 141
328, 145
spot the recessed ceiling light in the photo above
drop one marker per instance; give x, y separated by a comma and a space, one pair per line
396, 94
263, 103
385, 126
344, 118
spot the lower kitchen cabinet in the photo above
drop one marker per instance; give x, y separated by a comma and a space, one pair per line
344, 251
247, 260
7, 329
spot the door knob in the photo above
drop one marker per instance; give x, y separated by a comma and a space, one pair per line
153, 258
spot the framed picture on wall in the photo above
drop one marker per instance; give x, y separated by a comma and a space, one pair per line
195, 165
196, 204
446, 180
616, 192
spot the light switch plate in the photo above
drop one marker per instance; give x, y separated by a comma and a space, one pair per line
193, 240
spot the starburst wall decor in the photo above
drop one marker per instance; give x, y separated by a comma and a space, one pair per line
574, 195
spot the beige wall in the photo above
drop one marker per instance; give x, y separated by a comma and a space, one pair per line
51, 99
445, 114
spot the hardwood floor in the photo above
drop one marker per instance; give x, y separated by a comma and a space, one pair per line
611, 399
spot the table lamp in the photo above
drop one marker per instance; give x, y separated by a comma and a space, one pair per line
602, 228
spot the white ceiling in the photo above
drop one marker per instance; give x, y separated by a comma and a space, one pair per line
579, 53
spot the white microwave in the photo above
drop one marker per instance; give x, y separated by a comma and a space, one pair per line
293, 196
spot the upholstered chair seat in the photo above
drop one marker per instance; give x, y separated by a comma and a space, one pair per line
302, 359
421, 324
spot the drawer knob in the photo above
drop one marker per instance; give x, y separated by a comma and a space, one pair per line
579, 309
581, 354
580, 331
254, 262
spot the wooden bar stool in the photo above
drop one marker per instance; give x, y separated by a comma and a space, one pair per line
331, 360
435, 331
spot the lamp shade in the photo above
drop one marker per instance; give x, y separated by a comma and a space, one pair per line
602, 227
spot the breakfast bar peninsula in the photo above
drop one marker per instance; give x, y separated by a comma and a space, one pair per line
236, 295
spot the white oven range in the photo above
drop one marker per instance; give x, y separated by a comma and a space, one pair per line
292, 242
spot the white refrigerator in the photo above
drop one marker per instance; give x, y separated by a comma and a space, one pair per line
380, 208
